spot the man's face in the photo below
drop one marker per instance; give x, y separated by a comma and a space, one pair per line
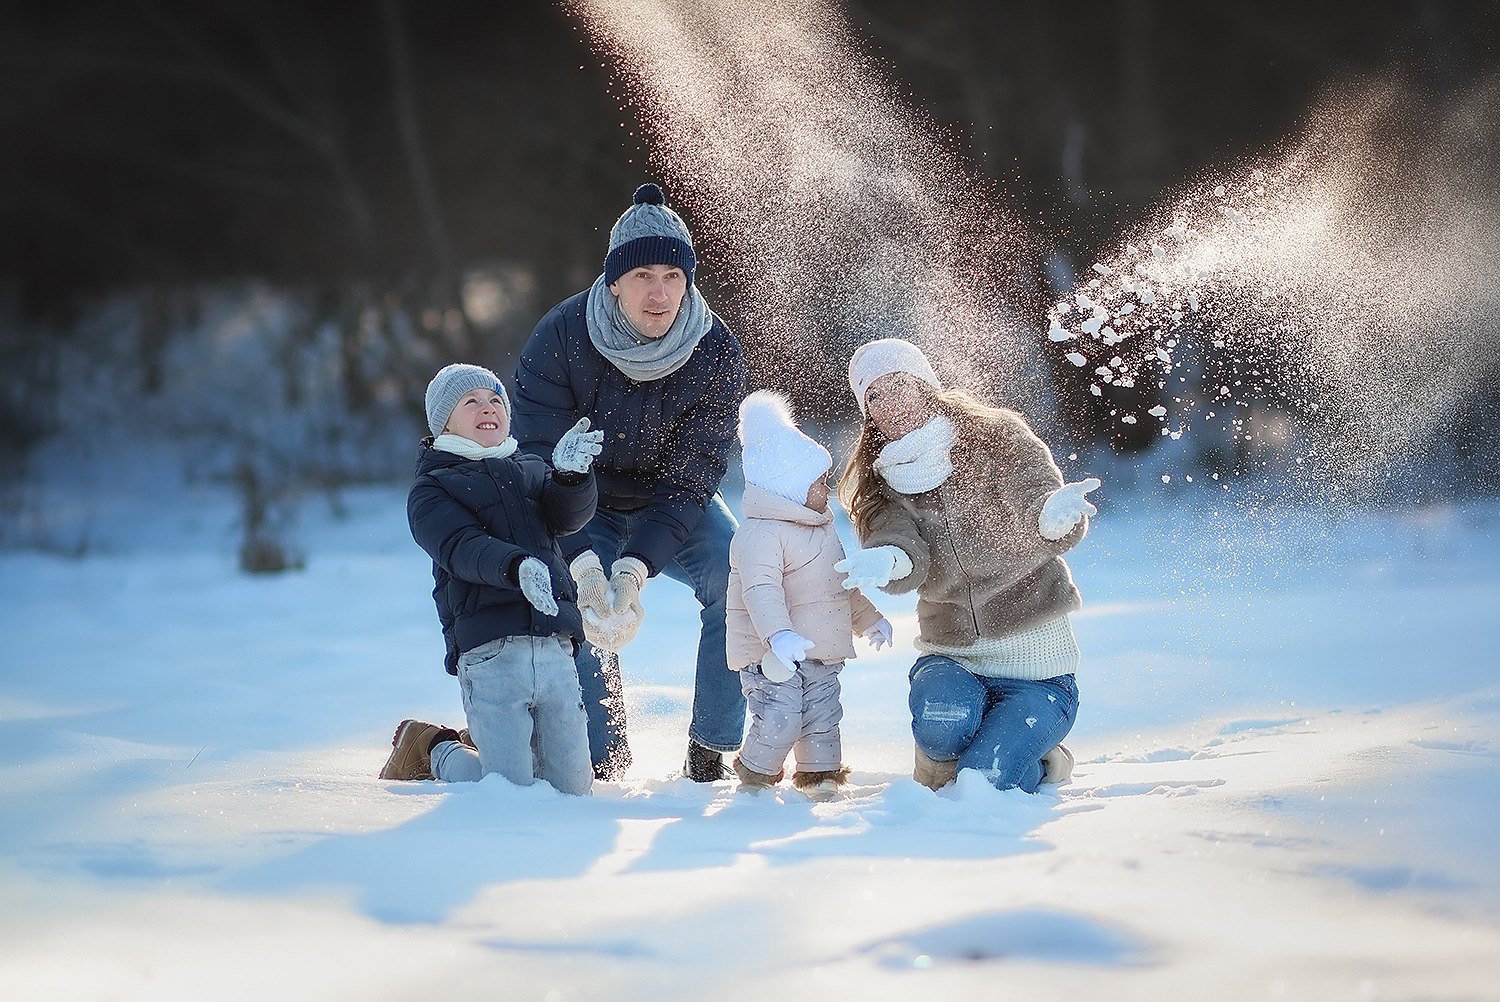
650, 297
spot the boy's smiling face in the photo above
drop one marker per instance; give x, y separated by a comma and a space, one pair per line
480, 417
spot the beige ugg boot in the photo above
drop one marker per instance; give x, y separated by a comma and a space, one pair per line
749, 777
1057, 765
933, 774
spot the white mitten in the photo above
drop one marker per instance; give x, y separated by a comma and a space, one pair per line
788, 648
577, 448
536, 585
875, 567
880, 634
1065, 508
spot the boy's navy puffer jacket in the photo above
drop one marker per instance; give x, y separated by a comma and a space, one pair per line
478, 519
666, 441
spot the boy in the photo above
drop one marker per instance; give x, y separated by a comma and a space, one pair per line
489, 518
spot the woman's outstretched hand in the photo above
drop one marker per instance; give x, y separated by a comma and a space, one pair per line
875, 567
1065, 508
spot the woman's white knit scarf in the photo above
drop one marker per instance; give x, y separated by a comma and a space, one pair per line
641, 358
469, 449
918, 461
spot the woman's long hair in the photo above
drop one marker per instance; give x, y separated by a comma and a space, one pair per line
859, 487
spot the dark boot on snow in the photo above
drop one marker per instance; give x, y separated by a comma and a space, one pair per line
704, 765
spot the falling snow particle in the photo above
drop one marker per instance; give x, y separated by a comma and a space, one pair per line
1102, 269
1078, 359
1128, 419
1166, 478
1219, 191
1158, 411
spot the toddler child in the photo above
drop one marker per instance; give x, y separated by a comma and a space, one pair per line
490, 517
790, 619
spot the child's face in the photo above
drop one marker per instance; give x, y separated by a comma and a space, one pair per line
817, 494
480, 417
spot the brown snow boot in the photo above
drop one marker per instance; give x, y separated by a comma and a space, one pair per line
749, 777
838, 777
931, 773
1057, 765
411, 749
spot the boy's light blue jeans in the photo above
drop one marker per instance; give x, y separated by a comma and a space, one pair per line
1000, 726
718, 720
525, 715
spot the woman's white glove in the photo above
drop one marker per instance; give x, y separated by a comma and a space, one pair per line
577, 448
536, 584
880, 634
626, 579
1065, 508
875, 567
788, 648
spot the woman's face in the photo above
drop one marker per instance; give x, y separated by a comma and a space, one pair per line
897, 403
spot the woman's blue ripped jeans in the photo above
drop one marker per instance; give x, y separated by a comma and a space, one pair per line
1000, 726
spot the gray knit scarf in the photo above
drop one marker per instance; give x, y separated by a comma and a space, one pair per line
644, 359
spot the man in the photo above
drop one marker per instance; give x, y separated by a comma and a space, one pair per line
642, 356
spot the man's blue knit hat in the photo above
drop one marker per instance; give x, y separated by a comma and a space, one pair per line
649, 233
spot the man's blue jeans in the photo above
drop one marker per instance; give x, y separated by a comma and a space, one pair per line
702, 564
1000, 726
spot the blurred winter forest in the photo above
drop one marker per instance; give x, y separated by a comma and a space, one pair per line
255, 227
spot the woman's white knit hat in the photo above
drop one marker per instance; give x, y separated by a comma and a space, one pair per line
778, 457
883, 357
449, 386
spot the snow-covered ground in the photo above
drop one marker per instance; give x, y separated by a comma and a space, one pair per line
1287, 785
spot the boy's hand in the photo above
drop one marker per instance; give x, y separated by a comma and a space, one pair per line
536, 585
875, 567
577, 448
1065, 508
880, 634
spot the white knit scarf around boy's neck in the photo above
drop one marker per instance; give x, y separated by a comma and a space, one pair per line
469, 449
919, 460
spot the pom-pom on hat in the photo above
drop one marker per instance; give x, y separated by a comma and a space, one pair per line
649, 233
778, 457
883, 357
449, 386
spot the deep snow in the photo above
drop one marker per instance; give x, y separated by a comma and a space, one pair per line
1287, 783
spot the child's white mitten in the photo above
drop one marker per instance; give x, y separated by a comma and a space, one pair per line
788, 648
577, 448
1065, 508
536, 585
875, 567
880, 634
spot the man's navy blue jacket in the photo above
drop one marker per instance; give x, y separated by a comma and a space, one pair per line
478, 519
666, 441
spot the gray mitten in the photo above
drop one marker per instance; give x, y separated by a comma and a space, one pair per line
577, 448
536, 585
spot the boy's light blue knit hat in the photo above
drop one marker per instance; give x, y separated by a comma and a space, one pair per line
649, 233
449, 386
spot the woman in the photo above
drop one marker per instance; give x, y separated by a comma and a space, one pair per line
963, 503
